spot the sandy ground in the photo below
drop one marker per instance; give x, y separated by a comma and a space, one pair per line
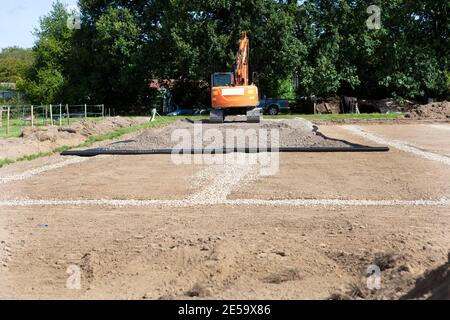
139, 227
46, 139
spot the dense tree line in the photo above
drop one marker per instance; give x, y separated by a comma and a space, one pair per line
311, 47
14, 62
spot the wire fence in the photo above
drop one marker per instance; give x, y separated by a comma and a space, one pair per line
14, 118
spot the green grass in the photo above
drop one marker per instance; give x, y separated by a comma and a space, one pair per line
98, 138
333, 117
14, 132
4, 162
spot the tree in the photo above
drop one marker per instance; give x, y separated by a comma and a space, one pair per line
124, 44
14, 62
45, 81
117, 57
415, 49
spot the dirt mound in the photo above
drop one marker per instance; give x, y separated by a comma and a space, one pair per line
384, 105
434, 285
89, 128
399, 280
328, 105
395, 270
289, 133
40, 134
81, 128
46, 139
437, 111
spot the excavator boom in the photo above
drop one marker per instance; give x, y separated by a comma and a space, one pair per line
241, 72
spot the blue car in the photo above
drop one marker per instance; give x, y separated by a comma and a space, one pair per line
274, 106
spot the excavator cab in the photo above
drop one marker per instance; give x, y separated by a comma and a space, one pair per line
222, 79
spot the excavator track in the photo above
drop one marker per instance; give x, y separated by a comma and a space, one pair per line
254, 115
217, 116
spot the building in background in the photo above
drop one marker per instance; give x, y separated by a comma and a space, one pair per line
7, 91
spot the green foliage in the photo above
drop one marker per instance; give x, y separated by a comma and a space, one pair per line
447, 90
117, 57
122, 45
46, 87
14, 62
46, 80
285, 90
407, 57
5, 162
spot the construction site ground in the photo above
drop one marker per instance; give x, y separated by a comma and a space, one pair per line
140, 227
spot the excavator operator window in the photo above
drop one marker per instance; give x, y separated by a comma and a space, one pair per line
222, 79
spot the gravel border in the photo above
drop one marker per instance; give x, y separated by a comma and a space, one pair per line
30, 173
400, 145
444, 202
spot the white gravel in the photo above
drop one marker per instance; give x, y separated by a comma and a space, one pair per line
295, 132
444, 202
216, 182
30, 173
439, 126
400, 145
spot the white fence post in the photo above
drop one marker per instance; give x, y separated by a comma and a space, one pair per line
7, 120
85, 111
103, 111
51, 115
32, 116
67, 114
60, 115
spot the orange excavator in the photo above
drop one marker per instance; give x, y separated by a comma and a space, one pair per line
231, 92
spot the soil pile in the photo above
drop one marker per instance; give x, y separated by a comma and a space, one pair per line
400, 280
329, 105
435, 111
434, 285
46, 139
81, 128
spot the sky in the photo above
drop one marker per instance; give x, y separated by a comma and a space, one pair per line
19, 18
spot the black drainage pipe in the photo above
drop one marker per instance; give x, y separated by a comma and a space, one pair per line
97, 152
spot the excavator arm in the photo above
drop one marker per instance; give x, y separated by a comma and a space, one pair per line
242, 58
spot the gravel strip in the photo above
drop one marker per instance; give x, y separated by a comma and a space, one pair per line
30, 173
400, 145
445, 202
439, 126
218, 181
